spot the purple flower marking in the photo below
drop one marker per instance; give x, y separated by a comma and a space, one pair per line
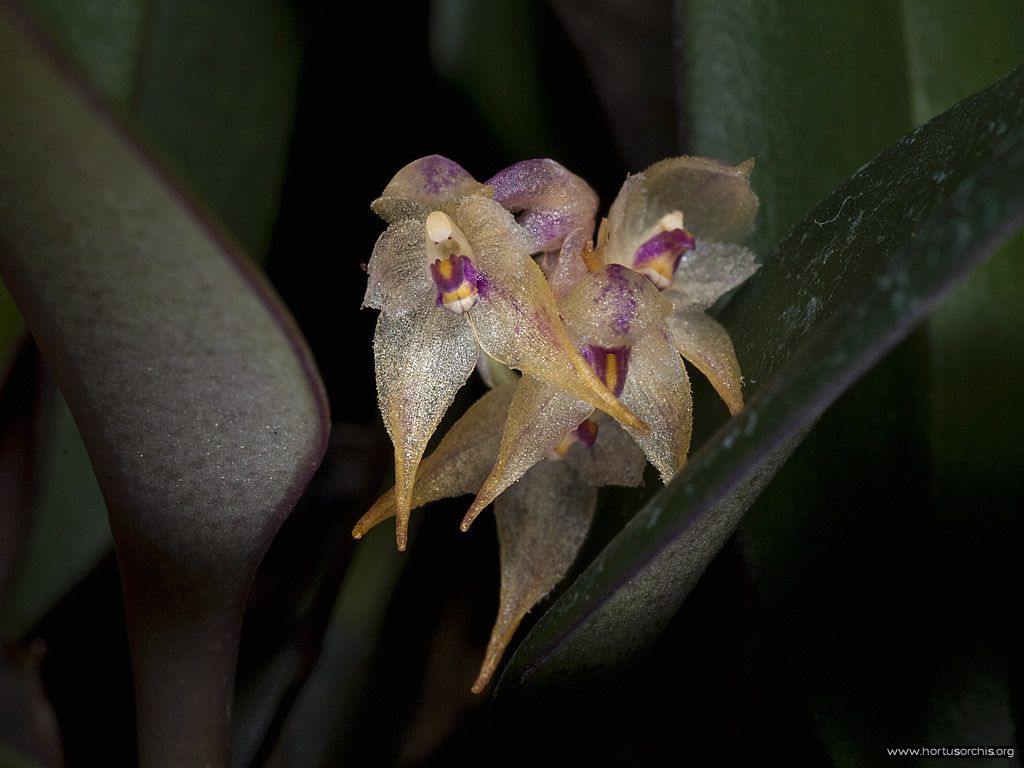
625, 301
439, 173
586, 433
671, 244
611, 364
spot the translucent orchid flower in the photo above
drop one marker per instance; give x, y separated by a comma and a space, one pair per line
617, 317
542, 521
452, 275
677, 223
549, 201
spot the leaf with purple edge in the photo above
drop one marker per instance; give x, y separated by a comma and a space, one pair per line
195, 395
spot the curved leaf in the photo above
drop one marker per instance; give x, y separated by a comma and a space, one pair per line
196, 398
846, 284
741, 55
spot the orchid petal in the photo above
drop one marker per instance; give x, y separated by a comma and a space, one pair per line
517, 324
658, 390
542, 524
715, 199
460, 462
613, 307
540, 416
424, 185
500, 246
615, 459
422, 359
706, 344
566, 268
708, 272
549, 201
399, 277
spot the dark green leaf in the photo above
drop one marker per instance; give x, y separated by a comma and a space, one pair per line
834, 60
327, 709
69, 531
213, 85
104, 38
846, 284
197, 400
216, 92
12, 331
465, 39
920, 487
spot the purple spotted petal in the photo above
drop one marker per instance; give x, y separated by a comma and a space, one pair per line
613, 307
547, 200
424, 185
517, 323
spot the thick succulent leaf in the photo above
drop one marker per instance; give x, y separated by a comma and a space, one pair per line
422, 359
460, 462
706, 344
517, 324
542, 524
423, 185
938, 522
708, 272
195, 396
104, 40
715, 199
540, 416
898, 235
658, 388
739, 57
548, 200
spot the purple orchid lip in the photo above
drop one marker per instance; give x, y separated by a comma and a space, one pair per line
457, 280
658, 257
586, 433
611, 364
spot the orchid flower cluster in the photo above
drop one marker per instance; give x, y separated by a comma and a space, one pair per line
505, 276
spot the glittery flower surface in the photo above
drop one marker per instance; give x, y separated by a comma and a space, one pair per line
452, 275
509, 271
